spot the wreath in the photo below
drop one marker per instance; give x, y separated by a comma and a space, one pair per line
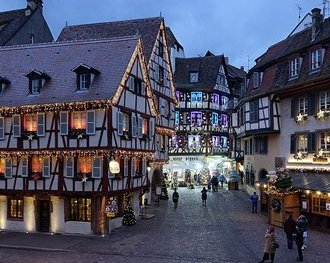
276, 205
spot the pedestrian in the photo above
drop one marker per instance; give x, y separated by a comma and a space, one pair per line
242, 176
290, 229
302, 222
299, 235
175, 198
222, 179
270, 247
204, 196
254, 198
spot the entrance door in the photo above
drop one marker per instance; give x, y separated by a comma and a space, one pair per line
44, 215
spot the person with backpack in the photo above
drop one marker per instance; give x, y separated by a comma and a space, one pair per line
175, 198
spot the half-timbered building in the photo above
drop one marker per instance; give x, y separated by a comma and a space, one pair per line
24, 26
67, 109
156, 51
201, 117
283, 121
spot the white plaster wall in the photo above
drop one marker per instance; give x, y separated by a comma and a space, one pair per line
3, 212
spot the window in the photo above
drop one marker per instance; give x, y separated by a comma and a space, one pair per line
223, 142
325, 141
144, 128
2, 168
97, 167
193, 77
36, 164
84, 165
325, 101
302, 142
302, 105
316, 204
15, 208
215, 119
69, 167
196, 118
139, 87
83, 81
216, 141
196, 99
224, 120
215, 99
177, 118
45, 167
64, 124
254, 111
257, 78
8, 168
224, 102
162, 144
17, 126
125, 167
78, 120
123, 123
194, 142
294, 67
30, 122
261, 145
161, 75
160, 49
35, 86
31, 39
316, 59
90, 122
80, 209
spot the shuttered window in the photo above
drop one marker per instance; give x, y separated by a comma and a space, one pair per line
8, 168
41, 124
90, 122
134, 127
17, 126
125, 167
64, 125
151, 128
46, 167
140, 121
24, 167
2, 128
311, 142
69, 167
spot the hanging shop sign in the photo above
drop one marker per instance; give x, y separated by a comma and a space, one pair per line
111, 207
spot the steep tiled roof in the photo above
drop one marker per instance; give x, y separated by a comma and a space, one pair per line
171, 39
148, 29
207, 68
235, 72
10, 23
109, 56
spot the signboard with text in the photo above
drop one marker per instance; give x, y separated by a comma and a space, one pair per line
111, 207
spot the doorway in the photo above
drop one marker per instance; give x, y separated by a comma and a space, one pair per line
44, 215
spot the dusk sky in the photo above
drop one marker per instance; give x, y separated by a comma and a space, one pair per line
241, 29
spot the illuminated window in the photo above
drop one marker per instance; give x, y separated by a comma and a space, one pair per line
78, 120
84, 165
145, 123
196, 98
215, 119
216, 141
2, 167
30, 122
36, 164
215, 98
224, 120
194, 142
80, 209
302, 142
196, 118
15, 208
325, 141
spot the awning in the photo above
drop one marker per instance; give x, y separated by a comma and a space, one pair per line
311, 181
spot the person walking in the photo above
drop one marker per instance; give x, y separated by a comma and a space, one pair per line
204, 196
175, 198
289, 229
299, 235
254, 198
302, 222
270, 248
222, 179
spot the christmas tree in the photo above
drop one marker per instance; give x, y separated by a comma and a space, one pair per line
164, 194
129, 215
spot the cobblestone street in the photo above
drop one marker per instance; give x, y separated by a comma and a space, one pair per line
224, 231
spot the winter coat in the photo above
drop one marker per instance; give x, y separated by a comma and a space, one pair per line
204, 194
175, 197
270, 237
290, 226
299, 238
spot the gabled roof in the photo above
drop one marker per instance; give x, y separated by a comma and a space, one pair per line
235, 72
110, 56
171, 39
148, 28
314, 181
207, 68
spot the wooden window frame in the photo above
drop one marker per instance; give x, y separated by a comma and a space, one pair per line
64, 122
19, 210
82, 215
97, 168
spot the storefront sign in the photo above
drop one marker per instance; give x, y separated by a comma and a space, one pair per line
327, 206
111, 207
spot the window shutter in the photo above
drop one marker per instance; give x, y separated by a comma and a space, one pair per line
133, 168
69, 167
120, 123
46, 167
143, 89
125, 167
8, 168
64, 123
293, 143
134, 127
90, 119
24, 167
41, 124
140, 121
97, 168
151, 128
17, 126
311, 142
311, 104
2, 128
294, 108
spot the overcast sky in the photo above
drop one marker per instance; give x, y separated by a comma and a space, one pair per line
239, 29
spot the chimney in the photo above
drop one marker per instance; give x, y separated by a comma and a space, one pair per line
317, 19
32, 5
242, 68
227, 60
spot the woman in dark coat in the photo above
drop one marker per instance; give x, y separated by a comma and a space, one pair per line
269, 249
204, 196
299, 242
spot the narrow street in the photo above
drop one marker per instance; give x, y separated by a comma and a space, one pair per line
224, 231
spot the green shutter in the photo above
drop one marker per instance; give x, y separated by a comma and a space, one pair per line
293, 144
311, 104
294, 107
311, 142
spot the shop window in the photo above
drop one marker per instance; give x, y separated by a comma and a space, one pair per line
80, 209
15, 208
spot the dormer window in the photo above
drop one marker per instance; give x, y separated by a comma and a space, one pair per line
37, 80
294, 67
193, 77
85, 77
3, 83
257, 78
316, 59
